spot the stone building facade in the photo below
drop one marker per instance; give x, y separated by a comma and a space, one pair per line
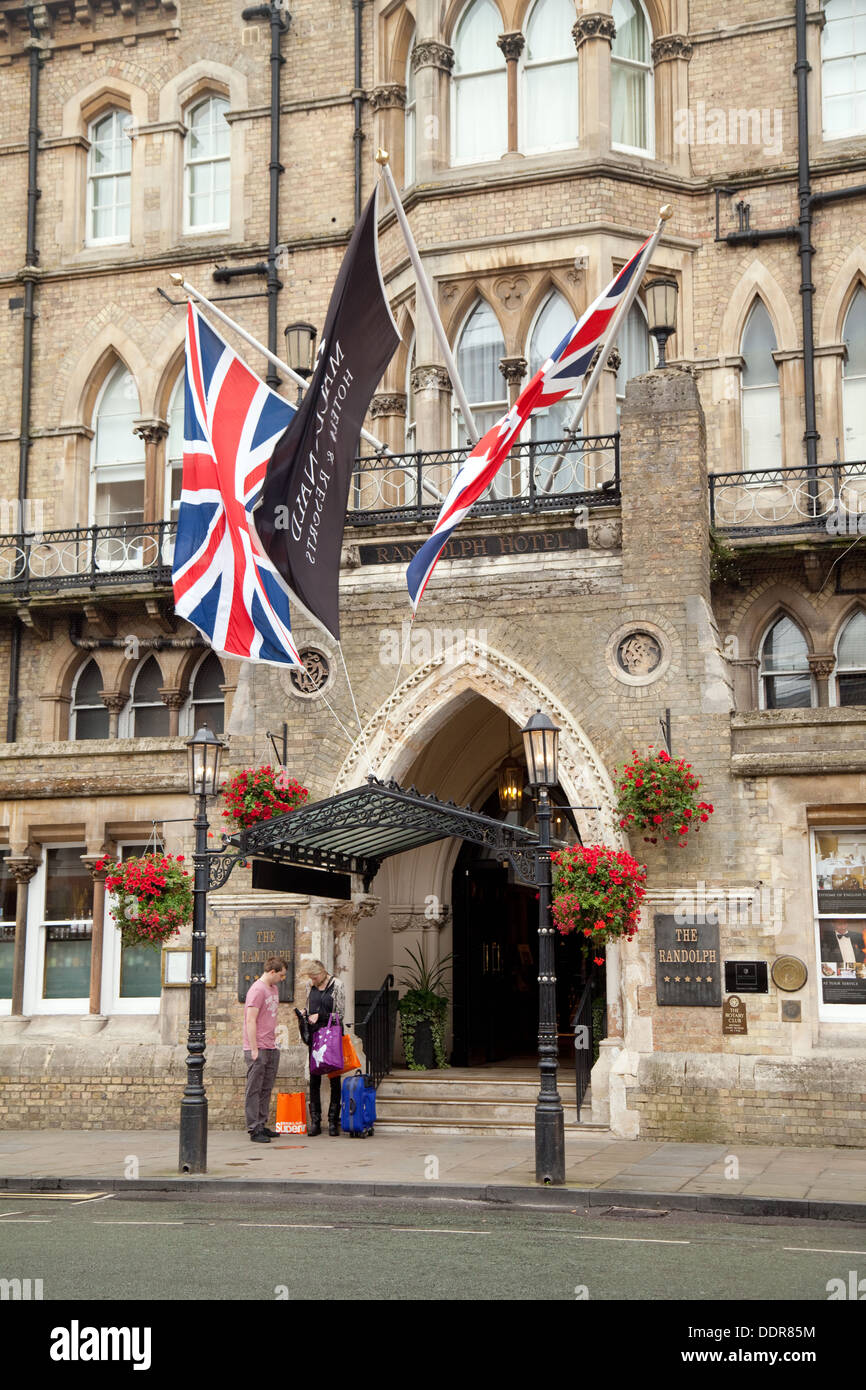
534, 141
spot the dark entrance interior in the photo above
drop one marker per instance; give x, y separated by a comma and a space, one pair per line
495, 979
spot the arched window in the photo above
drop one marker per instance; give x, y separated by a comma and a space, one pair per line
117, 492
854, 377
843, 68
409, 126
786, 682
549, 101
207, 701
207, 166
479, 350
851, 662
631, 79
636, 351
88, 716
174, 452
411, 434
109, 179
479, 121
761, 406
150, 715
554, 321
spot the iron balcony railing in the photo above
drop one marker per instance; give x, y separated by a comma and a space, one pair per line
774, 501
95, 556
411, 486
385, 488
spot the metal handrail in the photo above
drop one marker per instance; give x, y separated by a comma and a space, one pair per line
376, 1032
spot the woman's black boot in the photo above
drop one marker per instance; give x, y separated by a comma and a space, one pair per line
315, 1125
334, 1108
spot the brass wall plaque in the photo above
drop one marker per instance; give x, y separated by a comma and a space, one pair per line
734, 1016
789, 973
791, 1011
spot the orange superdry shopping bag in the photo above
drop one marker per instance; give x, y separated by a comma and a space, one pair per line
291, 1113
351, 1061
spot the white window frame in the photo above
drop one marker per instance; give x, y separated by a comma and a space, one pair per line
497, 69
189, 163
107, 558
187, 722
830, 1013
37, 938
112, 956
852, 130
833, 682
571, 399
522, 103
126, 719
859, 377
764, 675
125, 119
73, 711
765, 388
649, 91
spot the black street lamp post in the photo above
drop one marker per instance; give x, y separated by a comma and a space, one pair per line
204, 751
540, 739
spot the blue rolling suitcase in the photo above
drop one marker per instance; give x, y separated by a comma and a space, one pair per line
358, 1110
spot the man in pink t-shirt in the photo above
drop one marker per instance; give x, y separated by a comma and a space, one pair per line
260, 1048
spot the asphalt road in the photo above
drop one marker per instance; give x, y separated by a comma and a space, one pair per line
256, 1248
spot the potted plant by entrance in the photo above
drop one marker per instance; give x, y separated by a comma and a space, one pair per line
152, 897
423, 1012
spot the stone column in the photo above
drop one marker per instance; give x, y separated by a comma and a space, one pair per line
432, 390
388, 103
175, 699
593, 36
114, 701
346, 917
97, 931
388, 410
153, 432
22, 867
671, 54
512, 46
821, 666
432, 64
513, 370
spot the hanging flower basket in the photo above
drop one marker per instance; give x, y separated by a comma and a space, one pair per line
596, 891
260, 793
658, 798
152, 897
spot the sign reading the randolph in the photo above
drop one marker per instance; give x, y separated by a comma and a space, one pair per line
688, 967
259, 938
474, 547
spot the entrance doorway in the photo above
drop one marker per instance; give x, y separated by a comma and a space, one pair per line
495, 971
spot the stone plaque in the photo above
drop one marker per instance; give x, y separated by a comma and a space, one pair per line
479, 547
734, 1016
260, 937
791, 1011
746, 977
688, 968
639, 653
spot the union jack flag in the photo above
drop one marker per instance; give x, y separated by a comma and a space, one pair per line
223, 583
563, 371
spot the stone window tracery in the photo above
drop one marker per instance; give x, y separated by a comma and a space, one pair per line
854, 378
631, 79
786, 679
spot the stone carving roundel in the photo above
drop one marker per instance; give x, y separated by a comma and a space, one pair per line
639, 654
316, 673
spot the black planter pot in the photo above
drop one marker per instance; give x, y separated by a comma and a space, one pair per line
422, 1045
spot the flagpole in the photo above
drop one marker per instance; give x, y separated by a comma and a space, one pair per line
613, 328
178, 279
382, 159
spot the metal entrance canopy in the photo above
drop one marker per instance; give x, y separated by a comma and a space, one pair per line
354, 831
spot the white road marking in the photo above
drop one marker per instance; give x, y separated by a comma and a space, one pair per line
633, 1240
28, 1220
139, 1223
103, 1197
821, 1250
10, 1213
438, 1231
282, 1226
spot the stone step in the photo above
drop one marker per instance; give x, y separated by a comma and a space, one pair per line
457, 1088
499, 1112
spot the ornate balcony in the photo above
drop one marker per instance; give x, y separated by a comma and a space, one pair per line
777, 501
385, 489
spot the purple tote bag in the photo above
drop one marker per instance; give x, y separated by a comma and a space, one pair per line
326, 1053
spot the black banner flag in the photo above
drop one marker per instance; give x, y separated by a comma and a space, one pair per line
302, 511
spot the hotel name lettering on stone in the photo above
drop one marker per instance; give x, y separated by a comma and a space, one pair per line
260, 938
688, 964
475, 547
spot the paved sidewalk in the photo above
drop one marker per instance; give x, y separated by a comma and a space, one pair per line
702, 1176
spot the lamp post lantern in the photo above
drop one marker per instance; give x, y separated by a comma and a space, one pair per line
204, 750
541, 745
661, 305
301, 350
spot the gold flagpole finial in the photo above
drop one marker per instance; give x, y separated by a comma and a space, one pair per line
176, 277
666, 212
382, 156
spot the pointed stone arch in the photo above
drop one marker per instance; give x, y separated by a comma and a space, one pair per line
850, 275
89, 367
778, 601
841, 619
549, 283
455, 11
428, 698
400, 29
757, 282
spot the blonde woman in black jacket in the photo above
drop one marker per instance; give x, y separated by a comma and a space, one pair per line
327, 996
